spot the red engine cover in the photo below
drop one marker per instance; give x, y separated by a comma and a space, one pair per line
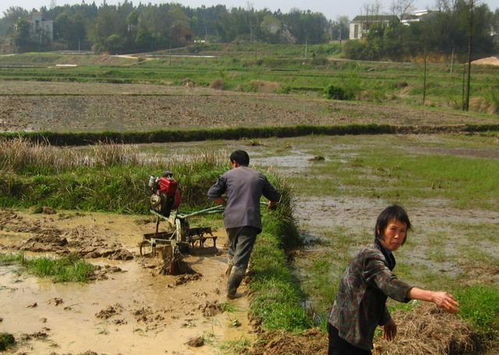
167, 186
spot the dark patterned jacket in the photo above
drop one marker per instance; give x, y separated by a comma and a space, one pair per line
360, 304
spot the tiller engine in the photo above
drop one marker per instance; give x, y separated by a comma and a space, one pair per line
178, 237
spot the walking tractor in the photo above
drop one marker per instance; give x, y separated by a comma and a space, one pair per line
177, 237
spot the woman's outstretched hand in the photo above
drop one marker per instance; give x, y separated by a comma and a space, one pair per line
442, 299
446, 301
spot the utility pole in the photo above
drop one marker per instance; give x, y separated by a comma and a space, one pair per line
470, 51
424, 76
464, 81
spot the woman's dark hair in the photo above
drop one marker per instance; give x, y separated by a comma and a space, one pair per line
393, 212
240, 157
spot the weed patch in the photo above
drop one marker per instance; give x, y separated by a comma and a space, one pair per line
479, 305
67, 269
6, 340
276, 295
240, 346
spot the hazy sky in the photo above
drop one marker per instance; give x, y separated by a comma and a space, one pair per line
331, 9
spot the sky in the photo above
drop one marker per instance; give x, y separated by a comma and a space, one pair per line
330, 8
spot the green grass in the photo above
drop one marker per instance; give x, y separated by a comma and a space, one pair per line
100, 179
6, 340
276, 297
67, 269
239, 346
479, 305
407, 176
228, 307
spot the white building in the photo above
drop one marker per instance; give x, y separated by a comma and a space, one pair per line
41, 28
360, 25
415, 16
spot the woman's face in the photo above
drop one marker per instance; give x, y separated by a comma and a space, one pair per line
394, 235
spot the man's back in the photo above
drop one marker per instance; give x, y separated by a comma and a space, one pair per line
244, 187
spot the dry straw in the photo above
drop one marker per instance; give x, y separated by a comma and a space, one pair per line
21, 154
428, 331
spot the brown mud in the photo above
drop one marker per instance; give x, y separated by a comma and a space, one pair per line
98, 107
130, 309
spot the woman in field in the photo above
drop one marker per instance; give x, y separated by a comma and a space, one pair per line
360, 304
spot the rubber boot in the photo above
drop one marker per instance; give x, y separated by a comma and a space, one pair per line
234, 281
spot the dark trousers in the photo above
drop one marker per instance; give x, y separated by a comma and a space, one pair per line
241, 242
338, 346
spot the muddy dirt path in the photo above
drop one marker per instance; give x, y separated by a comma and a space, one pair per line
129, 309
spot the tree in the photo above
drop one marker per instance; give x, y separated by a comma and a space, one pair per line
271, 28
22, 36
400, 8
340, 28
10, 18
70, 29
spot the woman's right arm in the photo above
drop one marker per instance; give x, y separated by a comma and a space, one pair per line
442, 299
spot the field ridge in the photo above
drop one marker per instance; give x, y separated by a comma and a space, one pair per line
161, 136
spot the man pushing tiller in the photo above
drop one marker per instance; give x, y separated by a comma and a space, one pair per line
242, 188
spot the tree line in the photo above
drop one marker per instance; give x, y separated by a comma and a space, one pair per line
128, 28
449, 30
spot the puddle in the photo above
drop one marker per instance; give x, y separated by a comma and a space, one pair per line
295, 162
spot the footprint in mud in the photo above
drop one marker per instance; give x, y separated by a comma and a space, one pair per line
110, 311
56, 301
210, 309
101, 272
153, 319
37, 335
180, 280
196, 342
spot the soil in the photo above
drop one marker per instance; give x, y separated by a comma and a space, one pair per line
77, 108
487, 61
129, 308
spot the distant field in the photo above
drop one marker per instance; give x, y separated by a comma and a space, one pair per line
92, 107
268, 69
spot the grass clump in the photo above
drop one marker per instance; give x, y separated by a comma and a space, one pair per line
239, 346
276, 295
104, 178
338, 93
6, 340
479, 305
67, 269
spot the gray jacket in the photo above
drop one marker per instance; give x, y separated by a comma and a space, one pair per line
243, 187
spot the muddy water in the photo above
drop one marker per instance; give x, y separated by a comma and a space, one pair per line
172, 315
135, 311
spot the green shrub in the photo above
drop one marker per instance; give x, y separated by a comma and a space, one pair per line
355, 49
217, 84
338, 93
